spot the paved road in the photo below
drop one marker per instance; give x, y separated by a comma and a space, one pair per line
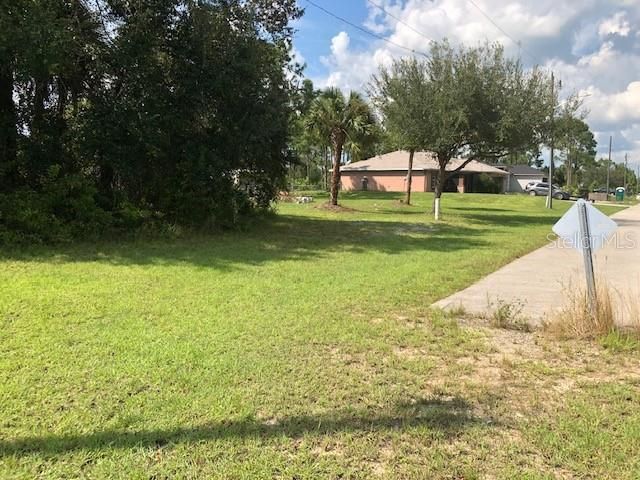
538, 281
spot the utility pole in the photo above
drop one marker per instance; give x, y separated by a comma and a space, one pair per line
553, 113
609, 165
626, 166
569, 164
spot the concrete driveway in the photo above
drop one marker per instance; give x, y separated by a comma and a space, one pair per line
540, 280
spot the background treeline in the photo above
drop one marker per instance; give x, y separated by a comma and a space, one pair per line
119, 113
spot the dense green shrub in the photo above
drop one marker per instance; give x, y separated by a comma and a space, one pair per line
487, 184
113, 119
63, 208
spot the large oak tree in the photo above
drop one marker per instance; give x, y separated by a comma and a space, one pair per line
477, 104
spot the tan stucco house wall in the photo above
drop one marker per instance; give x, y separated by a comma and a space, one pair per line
385, 181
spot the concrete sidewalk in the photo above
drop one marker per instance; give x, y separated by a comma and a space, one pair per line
539, 281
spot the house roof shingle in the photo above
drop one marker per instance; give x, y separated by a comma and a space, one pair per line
519, 170
397, 161
524, 170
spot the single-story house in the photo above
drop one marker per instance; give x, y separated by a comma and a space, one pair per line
520, 176
388, 173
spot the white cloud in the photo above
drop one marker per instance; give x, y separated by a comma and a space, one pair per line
461, 21
340, 44
608, 68
601, 58
352, 70
632, 136
608, 81
621, 108
616, 25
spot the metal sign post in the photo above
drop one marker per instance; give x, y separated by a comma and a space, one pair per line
585, 228
587, 254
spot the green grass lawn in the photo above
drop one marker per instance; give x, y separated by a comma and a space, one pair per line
301, 348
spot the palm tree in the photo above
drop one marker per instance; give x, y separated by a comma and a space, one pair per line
339, 119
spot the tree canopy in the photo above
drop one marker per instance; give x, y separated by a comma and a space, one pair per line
474, 102
116, 111
576, 140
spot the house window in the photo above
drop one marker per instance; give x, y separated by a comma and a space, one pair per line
434, 179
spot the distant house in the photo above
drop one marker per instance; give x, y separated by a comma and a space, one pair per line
520, 176
388, 173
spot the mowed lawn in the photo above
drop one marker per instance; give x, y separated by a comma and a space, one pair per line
303, 347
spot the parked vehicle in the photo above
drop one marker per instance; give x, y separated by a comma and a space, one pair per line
542, 189
604, 190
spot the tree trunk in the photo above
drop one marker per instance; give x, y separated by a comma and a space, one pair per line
327, 162
40, 94
106, 179
440, 184
411, 152
337, 140
8, 131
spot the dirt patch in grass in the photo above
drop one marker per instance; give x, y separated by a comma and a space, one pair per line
523, 386
335, 208
528, 368
414, 353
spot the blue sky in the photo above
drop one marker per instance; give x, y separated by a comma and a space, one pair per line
593, 46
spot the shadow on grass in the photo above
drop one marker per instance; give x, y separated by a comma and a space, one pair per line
285, 237
480, 209
503, 220
371, 195
400, 211
445, 417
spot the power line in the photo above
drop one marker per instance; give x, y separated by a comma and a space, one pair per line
364, 30
399, 20
495, 24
